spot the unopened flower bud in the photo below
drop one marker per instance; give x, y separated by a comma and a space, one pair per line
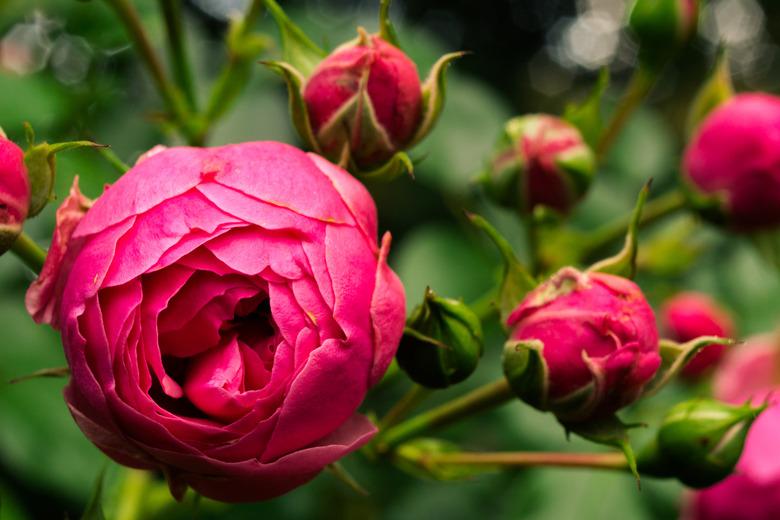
700, 441
732, 164
540, 160
661, 27
14, 192
365, 96
442, 343
583, 345
690, 315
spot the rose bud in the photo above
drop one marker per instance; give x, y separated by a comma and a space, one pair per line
14, 192
661, 27
540, 160
701, 440
366, 96
442, 343
690, 315
224, 327
584, 345
748, 372
732, 164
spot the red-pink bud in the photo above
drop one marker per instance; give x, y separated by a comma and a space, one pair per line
366, 95
735, 158
689, 315
14, 192
598, 339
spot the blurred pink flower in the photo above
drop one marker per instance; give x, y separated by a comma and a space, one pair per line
14, 192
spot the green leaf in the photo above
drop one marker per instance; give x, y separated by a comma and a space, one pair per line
516, 281
298, 112
674, 357
526, 371
717, 89
433, 95
297, 49
587, 116
416, 457
399, 164
609, 431
94, 510
386, 29
624, 263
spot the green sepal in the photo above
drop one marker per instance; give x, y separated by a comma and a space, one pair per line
337, 470
608, 431
516, 281
42, 373
526, 371
674, 357
414, 458
624, 263
587, 116
41, 168
94, 509
386, 30
398, 165
433, 95
716, 90
298, 111
297, 49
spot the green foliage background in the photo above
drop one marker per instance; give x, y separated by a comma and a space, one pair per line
47, 468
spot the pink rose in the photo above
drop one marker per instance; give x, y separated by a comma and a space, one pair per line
735, 157
540, 160
366, 95
598, 338
748, 372
224, 312
688, 315
14, 192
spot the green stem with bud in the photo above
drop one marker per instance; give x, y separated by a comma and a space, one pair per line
483, 398
654, 210
521, 459
170, 94
29, 252
416, 395
638, 88
235, 74
177, 50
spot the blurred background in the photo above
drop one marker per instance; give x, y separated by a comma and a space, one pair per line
68, 69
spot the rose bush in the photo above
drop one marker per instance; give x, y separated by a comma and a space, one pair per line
223, 313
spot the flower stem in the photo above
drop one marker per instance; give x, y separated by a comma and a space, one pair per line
656, 209
177, 50
170, 94
235, 74
29, 252
638, 88
519, 459
483, 398
131, 495
407, 403
485, 307
113, 159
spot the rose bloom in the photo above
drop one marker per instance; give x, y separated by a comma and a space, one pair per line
735, 157
747, 373
223, 313
688, 315
367, 95
14, 192
598, 336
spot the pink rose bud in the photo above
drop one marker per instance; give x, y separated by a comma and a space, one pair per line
540, 160
224, 326
748, 372
14, 192
732, 164
595, 341
690, 315
366, 96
